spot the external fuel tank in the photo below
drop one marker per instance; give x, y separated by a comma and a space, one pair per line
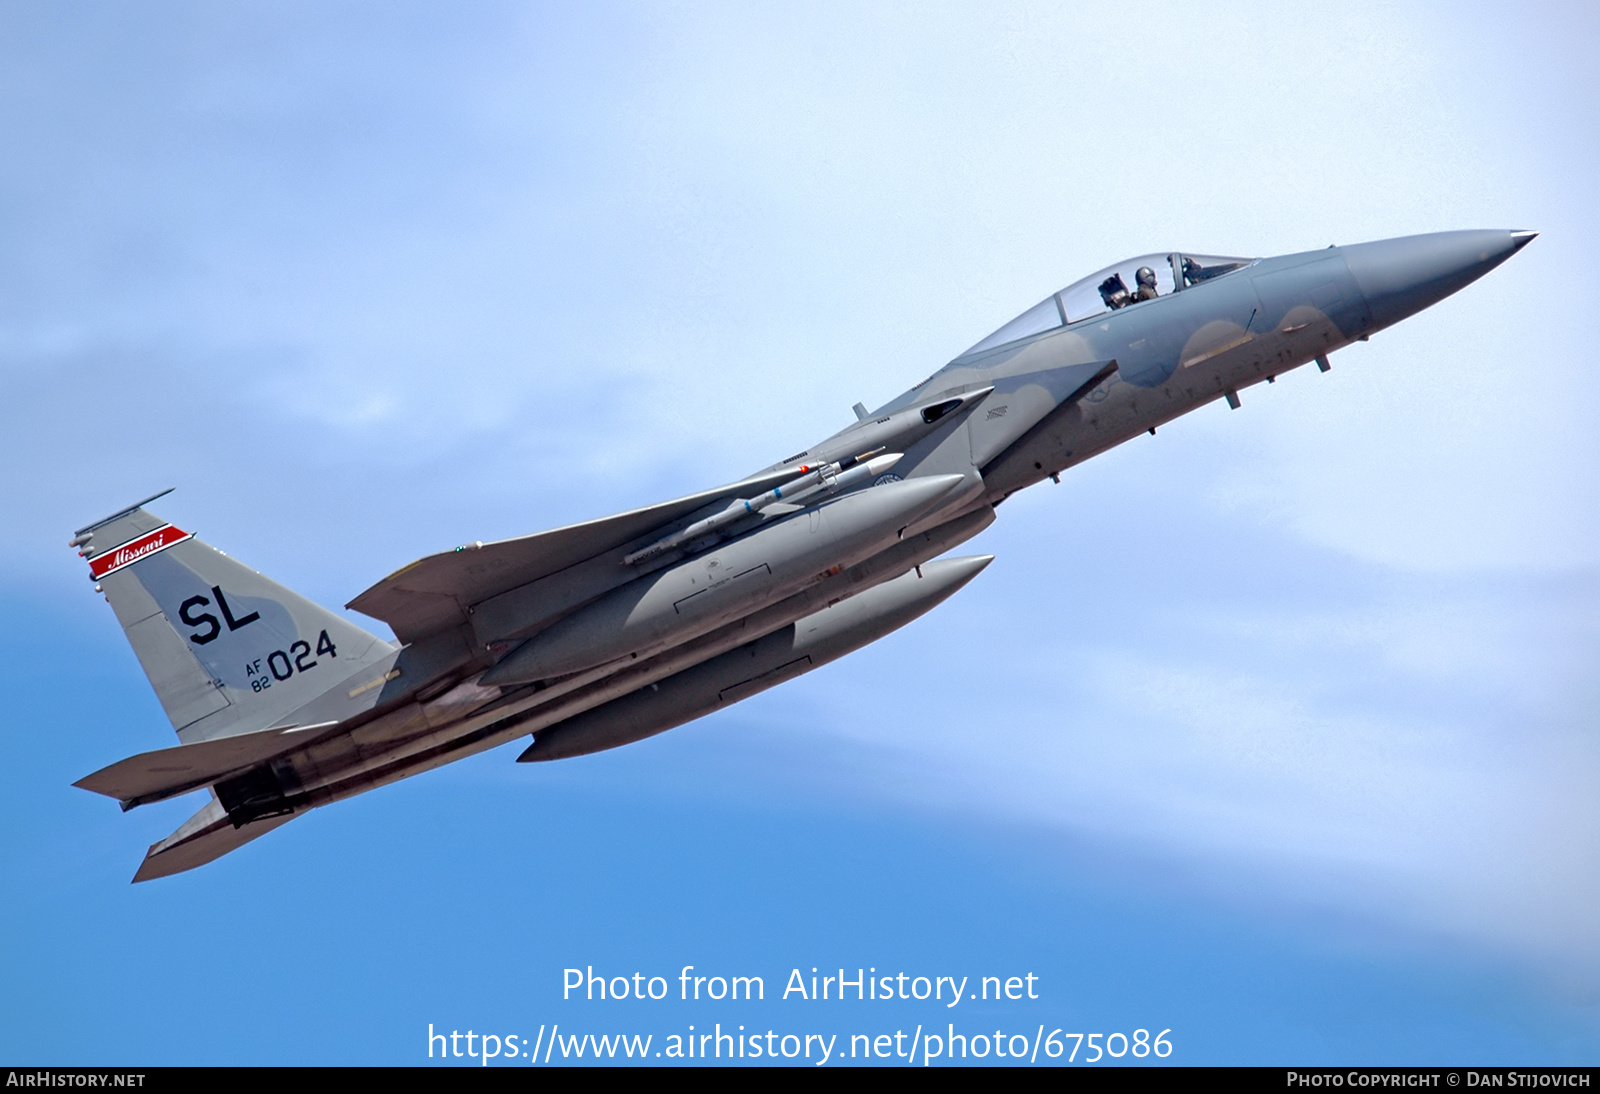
703, 592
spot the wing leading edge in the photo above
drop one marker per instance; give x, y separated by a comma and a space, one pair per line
434, 592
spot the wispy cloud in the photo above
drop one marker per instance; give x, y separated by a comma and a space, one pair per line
366, 282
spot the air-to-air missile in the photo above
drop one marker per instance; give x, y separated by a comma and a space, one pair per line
602, 633
700, 593
809, 484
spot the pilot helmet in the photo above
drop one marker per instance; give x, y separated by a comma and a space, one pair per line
1146, 277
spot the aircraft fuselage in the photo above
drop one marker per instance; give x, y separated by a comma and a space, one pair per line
599, 634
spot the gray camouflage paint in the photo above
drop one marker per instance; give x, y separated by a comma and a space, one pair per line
533, 635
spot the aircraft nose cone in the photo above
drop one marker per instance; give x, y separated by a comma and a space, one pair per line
1400, 277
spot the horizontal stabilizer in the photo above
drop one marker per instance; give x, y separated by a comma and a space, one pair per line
434, 592
207, 835
151, 776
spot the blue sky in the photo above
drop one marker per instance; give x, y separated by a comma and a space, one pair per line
1277, 729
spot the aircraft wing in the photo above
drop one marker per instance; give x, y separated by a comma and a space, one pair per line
434, 592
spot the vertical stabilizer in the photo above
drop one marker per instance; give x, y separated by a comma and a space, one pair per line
227, 650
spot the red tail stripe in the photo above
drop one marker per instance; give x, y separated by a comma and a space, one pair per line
136, 549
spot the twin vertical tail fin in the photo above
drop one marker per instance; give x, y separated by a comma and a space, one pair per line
227, 650
236, 660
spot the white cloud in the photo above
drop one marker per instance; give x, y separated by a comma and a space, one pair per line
485, 276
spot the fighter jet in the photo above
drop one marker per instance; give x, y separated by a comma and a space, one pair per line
598, 634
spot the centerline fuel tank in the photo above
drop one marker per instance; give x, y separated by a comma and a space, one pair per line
806, 644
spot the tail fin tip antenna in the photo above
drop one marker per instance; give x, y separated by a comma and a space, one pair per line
123, 511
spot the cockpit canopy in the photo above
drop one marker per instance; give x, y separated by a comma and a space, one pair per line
1111, 289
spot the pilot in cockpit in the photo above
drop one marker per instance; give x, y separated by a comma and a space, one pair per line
1146, 280
1114, 291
